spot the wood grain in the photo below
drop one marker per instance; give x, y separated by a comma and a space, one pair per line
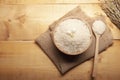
24, 60
47, 1
27, 22
22, 21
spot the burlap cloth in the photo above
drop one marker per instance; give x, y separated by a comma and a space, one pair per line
66, 62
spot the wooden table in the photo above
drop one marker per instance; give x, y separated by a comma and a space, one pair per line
21, 22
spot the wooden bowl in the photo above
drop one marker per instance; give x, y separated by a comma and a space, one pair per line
72, 36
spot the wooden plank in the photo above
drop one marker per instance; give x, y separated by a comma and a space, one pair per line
47, 1
24, 60
27, 22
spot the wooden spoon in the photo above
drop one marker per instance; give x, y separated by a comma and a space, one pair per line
96, 56
98, 29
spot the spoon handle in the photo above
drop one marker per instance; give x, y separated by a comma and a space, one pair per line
96, 56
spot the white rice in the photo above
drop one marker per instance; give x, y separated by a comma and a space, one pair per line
99, 27
73, 36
